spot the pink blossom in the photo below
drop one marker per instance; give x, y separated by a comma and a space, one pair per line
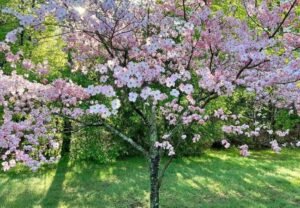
225, 143
116, 104
282, 133
244, 150
11, 37
196, 138
275, 146
188, 88
132, 96
27, 64
10, 57
167, 146
5, 166
174, 93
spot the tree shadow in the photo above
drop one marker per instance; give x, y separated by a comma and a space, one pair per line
88, 184
56, 188
18, 188
121, 184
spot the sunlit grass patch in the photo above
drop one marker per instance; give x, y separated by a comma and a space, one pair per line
216, 179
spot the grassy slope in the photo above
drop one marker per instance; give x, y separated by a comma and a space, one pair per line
216, 179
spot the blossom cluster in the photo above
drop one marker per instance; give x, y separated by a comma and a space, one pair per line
244, 150
166, 146
135, 74
225, 143
275, 146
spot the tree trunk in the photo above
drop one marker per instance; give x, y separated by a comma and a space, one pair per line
67, 129
154, 162
154, 182
298, 131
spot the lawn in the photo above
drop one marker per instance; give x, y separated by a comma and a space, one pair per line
216, 179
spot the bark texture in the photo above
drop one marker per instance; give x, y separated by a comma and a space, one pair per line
154, 181
154, 161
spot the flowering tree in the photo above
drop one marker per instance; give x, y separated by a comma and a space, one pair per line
165, 60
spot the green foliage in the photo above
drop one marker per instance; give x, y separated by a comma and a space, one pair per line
94, 144
46, 46
6, 26
285, 120
230, 7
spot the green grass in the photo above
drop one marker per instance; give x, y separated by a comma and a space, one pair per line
217, 179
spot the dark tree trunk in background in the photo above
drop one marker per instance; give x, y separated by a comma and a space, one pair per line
67, 134
154, 180
22, 35
33, 3
272, 115
298, 131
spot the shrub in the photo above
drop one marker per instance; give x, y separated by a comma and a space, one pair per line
95, 144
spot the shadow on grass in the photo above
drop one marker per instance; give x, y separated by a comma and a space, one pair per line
213, 180
219, 182
56, 189
20, 188
121, 184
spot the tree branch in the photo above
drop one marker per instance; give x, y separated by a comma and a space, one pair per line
288, 82
243, 68
140, 113
253, 20
184, 10
209, 98
247, 66
105, 44
283, 20
211, 58
126, 138
111, 129
166, 166
190, 58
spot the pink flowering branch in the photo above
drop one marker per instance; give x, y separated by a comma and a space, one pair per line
284, 19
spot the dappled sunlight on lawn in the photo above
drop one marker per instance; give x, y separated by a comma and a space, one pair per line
216, 179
